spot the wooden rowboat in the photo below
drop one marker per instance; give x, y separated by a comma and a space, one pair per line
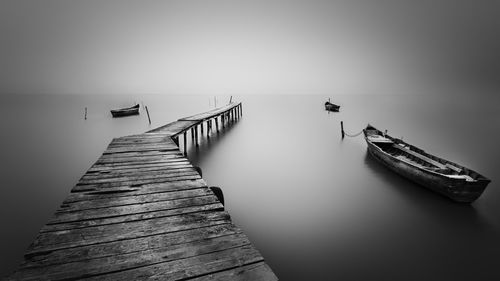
133, 110
331, 107
445, 177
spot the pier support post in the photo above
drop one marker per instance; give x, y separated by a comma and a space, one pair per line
196, 133
192, 133
185, 143
201, 124
208, 128
85, 113
241, 109
342, 128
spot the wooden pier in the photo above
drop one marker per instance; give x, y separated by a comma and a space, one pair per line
143, 212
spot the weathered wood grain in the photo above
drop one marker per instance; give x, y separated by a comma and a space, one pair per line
134, 171
134, 260
49, 241
184, 269
134, 217
134, 183
144, 189
120, 247
115, 211
139, 176
112, 168
259, 271
130, 200
99, 166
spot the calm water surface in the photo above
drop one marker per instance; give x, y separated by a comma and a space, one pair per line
316, 206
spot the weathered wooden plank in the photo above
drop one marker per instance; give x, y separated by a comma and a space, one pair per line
122, 210
111, 168
174, 128
50, 241
142, 136
195, 266
139, 148
144, 139
134, 217
144, 189
130, 200
140, 176
135, 160
134, 183
211, 113
129, 246
99, 166
259, 271
134, 172
141, 153
104, 265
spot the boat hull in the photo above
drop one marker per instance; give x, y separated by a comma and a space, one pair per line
332, 107
134, 110
458, 190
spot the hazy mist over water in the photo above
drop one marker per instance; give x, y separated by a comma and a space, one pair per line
246, 47
317, 207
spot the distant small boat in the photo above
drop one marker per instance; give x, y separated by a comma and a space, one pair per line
445, 177
133, 110
331, 107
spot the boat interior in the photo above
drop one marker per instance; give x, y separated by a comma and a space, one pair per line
417, 157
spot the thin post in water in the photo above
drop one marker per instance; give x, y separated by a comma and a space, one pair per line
147, 111
85, 113
342, 128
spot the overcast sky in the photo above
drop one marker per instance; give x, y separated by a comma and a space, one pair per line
244, 47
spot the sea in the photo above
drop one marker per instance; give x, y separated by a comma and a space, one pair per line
316, 205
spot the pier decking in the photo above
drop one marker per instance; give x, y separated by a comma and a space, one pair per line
143, 212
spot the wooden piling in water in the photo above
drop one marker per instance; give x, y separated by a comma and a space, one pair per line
196, 135
208, 129
85, 113
342, 128
185, 142
147, 111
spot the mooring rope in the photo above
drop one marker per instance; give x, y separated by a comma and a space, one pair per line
354, 135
